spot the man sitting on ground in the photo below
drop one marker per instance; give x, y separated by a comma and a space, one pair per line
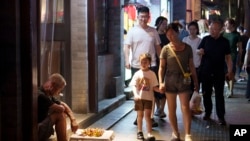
52, 111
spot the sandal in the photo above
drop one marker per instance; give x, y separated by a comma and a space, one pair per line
151, 138
140, 136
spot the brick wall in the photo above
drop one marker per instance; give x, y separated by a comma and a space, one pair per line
107, 88
79, 57
196, 9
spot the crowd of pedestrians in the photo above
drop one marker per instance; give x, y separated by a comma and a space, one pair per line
202, 58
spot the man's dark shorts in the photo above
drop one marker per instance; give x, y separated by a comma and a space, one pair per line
45, 129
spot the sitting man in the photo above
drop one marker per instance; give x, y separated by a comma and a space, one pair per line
52, 112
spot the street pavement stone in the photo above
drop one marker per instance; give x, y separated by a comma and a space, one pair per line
237, 112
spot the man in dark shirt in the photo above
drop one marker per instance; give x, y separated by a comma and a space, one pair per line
215, 51
52, 111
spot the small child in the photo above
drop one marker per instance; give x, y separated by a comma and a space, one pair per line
144, 82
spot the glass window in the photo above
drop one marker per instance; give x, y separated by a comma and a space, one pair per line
52, 49
101, 26
52, 10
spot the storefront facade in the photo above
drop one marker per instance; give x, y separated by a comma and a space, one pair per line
80, 40
83, 40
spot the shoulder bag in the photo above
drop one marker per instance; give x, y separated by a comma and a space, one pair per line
186, 76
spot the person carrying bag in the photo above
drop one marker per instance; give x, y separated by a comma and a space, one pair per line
195, 102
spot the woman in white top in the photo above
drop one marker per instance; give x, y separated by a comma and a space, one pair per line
194, 40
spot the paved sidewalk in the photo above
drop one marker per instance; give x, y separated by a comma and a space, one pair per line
237, 112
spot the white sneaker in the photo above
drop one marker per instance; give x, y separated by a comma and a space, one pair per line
229, 94
175, 137
188, 138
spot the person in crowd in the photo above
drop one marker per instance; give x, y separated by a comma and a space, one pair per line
244, 39
53, 112
245, 32
215, 51
142, 38
127, 78
235, 43
144, 83
161, 24
203, 28
160, 99
193, 40
125, 32
182, 29
246, 67
176, 59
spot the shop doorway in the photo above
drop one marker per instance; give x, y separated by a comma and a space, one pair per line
55, 42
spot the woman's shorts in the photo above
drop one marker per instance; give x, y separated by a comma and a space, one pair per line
141, 105
174, 83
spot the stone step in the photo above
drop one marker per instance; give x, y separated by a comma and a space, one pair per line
115, 116
240, 85
128, 92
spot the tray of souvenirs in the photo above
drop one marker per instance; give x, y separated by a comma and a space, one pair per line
92, 134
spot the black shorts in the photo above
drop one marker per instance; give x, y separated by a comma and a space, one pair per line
159, 95
45, 129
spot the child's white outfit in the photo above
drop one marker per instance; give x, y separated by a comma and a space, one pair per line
145, 81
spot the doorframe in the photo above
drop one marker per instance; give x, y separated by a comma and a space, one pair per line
92, 59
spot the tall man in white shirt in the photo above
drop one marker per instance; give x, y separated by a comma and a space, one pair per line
142, 39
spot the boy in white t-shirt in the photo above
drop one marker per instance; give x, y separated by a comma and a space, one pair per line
144, 83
